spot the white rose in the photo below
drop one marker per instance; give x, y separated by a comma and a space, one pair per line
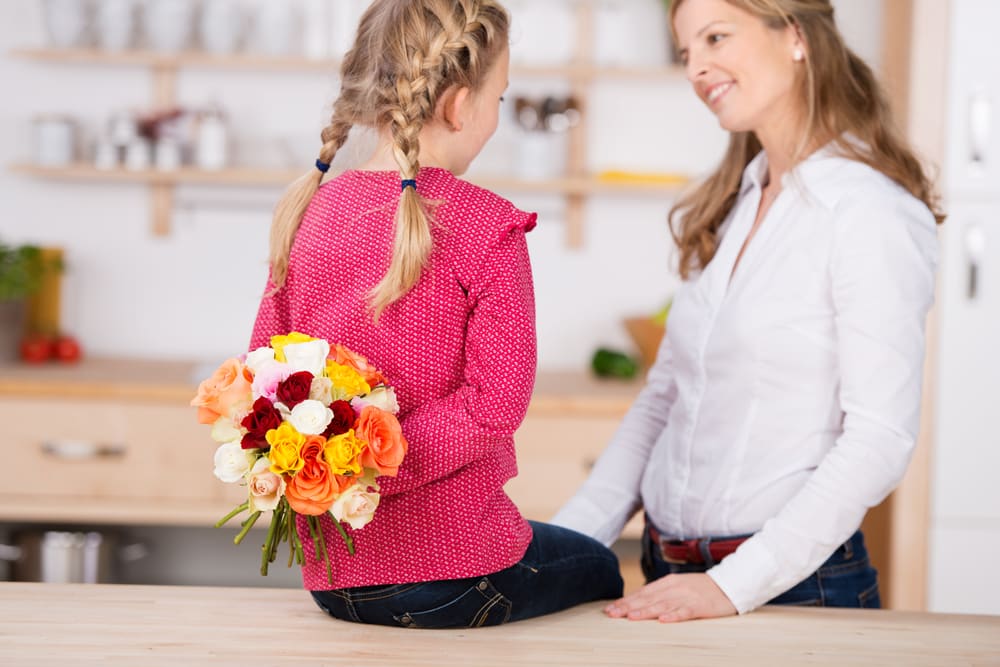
383, 398
225, 430
310, 417
266, 488
309, 356
258, 358
232, 462
320, 390
356, 506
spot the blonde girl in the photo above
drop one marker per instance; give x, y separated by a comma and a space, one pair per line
785, 398
428, 276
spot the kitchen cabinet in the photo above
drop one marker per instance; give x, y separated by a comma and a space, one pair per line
114, 441
575, 186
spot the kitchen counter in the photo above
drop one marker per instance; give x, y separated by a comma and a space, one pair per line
50, 624
556, 392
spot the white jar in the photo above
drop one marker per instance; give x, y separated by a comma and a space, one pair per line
138, 155
65, 22
221, 26
169, 24
116, 24
55, 140
212, 142
105, 154
167, 154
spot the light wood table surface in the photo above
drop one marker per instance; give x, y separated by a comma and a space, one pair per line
81, 624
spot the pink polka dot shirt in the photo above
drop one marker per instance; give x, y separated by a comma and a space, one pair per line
459, 350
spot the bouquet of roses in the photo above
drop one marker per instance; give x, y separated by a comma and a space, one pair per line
307, 427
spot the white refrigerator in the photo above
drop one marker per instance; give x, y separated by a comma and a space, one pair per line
964, 557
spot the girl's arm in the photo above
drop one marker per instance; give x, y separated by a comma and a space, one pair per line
500, 354
882, 272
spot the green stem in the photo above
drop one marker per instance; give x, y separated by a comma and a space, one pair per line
343, 533
248, 524
290, 536
221, 522
297, 543
267, 547
319, 543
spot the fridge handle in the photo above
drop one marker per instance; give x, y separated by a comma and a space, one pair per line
980, 112
975, 248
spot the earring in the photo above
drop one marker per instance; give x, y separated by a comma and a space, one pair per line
798, 55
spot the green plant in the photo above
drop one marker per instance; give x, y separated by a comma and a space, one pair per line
22, 269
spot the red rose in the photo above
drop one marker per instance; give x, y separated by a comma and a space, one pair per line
295, 388
343, 419
262, 418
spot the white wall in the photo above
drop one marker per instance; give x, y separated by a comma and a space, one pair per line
192, 294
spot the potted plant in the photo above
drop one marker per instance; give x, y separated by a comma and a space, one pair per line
22, 269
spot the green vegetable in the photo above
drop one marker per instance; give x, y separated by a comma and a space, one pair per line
612, 363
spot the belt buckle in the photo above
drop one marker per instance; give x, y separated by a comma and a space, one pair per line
684, 544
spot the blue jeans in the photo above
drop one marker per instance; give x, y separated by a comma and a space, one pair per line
846, 579
560, 569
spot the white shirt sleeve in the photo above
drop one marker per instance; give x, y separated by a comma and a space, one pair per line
610, 496
882, 272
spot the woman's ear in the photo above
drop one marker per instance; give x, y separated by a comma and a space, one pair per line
451, 106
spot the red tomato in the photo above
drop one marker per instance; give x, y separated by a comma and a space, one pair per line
67, 349
36, 349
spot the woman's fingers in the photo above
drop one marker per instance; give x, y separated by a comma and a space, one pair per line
676, 597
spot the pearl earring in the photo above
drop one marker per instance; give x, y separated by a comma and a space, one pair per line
797, 55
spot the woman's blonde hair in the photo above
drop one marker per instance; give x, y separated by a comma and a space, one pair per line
406, 55
842, 96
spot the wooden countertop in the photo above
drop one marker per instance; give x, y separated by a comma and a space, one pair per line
80, 624
556, 392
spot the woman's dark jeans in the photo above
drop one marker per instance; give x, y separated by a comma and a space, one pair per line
560, 569
846, 579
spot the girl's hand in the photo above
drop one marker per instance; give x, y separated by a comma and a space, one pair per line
675, 597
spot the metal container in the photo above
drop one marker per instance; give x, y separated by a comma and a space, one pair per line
54, 556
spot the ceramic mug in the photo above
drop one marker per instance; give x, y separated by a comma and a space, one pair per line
169, 24
115, 24
65, 22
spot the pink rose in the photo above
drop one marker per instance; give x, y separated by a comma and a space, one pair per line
267, 379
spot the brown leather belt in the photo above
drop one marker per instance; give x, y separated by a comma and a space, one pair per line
685, 552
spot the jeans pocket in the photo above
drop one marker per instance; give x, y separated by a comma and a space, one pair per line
870, 598
853, 584
807, 593
477, 605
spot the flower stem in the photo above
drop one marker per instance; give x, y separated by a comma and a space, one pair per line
319, 542
221, 522
290, 536
247, 525
343, 533
267, 547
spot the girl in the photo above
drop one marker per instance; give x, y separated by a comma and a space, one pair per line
785, 399
428, 277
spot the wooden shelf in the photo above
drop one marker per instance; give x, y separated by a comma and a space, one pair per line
203, 60
244, 176
165, 69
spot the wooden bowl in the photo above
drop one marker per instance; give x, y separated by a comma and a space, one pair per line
646, 334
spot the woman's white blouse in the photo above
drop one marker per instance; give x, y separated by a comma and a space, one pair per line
785, 398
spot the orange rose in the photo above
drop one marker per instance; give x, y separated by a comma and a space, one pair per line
386, 444
313, 488
225, 394
342, 355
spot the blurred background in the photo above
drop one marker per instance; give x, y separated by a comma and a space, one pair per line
145, 142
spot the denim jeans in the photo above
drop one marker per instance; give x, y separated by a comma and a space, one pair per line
560, 569
846, 579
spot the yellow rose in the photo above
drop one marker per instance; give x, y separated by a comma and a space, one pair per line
278, 343
347, 382
343, 453
286, 447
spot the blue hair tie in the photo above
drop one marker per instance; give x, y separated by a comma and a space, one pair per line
322, 166
408, 183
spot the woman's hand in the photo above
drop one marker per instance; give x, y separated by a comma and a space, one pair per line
675, 597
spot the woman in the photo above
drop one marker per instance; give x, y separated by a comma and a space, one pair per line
784, 401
